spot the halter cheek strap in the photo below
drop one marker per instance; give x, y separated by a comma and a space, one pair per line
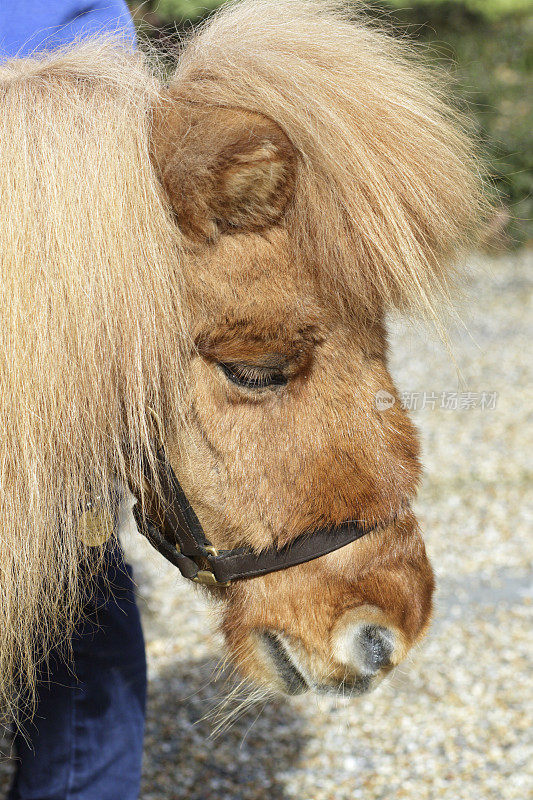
175, 531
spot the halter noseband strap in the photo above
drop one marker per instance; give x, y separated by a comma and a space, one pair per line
175, 531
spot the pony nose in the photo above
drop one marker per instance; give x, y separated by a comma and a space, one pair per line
365, 646
372, 648
365, 652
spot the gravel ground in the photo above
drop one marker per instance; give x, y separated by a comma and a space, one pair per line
452, 723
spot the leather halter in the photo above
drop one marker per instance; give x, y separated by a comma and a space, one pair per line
175, 531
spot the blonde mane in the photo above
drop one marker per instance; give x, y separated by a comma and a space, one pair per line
93, 328
92, 325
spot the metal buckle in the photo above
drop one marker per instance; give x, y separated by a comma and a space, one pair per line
207, 578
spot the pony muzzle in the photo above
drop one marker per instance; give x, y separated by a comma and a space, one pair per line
362, 653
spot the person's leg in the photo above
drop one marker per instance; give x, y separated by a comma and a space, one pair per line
87, 735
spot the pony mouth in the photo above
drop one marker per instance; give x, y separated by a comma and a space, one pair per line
373, 648
349, 687
290, 676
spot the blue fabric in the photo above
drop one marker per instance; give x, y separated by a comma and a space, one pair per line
27, 26
86, 740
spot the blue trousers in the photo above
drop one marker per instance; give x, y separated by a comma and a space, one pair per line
85, 742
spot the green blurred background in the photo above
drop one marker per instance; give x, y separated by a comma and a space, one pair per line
487, 46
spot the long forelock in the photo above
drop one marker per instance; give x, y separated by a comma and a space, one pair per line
389, 190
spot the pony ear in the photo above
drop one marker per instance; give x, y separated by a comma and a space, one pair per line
223, 169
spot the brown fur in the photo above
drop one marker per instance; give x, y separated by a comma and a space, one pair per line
221, 168
263, 467
316, 177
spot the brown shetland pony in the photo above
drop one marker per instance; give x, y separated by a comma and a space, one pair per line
223, 250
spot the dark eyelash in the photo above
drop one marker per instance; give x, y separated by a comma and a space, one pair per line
253, 377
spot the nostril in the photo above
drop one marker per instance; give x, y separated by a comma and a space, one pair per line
373, 645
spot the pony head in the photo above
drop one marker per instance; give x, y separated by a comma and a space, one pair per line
223, 250
318, 179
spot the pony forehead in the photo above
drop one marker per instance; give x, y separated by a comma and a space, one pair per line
248, 291
245, 267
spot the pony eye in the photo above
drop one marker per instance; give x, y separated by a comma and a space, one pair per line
251, 376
